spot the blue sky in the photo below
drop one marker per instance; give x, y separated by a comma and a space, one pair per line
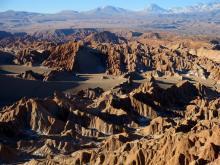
51, 6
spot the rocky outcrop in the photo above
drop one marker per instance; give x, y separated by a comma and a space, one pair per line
52, 75
104, 37
58, 75
76, 57
63, 56
90, 93
134, 56
139, 121
116, 55
33, 57
179, 123
30, 75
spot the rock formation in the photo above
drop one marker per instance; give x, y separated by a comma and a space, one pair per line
32, 56
178, 125
164, 109
149, 54
104, 37
30, 75
63, 56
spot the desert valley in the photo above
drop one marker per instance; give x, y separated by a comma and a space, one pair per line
106, 94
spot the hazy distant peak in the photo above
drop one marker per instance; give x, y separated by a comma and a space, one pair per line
112, 8
108, 10
154, 8
18, 14
201, 7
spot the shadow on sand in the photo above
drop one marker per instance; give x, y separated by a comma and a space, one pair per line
12, 89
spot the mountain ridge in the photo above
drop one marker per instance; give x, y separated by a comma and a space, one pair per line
153, 17
152, 8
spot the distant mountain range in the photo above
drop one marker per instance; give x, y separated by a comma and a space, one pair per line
201, 17
153, 9
202, 7
197, 8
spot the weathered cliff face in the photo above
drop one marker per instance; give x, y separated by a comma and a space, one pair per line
76, 57
63, 56
30, 75
105, 37
117, 59
134, 56
178, 124
175, 142
28, 56
116, 55
50, 75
